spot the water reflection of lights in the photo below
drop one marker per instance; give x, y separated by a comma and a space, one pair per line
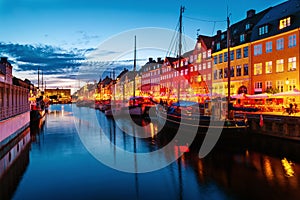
268, 168
62, 110
288, 167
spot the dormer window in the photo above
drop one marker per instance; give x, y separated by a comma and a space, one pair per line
222, 36
247, 27
218, 46
284, 22
242, 38
263, 30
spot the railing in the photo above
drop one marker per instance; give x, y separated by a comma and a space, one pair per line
7, 112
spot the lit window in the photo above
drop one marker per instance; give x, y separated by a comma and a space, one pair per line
268, 84
269, 47
209, 77
258, 85
257, 68
280, 44
292, 65
257, 49
191, 69
279, 85
204, 65
284, 22
292, 40
279, 65
204, 54
208, 65
204, 77
268, 67
209, 54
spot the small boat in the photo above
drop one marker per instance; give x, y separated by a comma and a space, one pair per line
189, 114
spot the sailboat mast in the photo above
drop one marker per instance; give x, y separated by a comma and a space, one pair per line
134, 69
42, 81
38, 77
180, 47
228, 67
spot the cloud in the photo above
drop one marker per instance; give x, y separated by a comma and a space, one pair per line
50, 59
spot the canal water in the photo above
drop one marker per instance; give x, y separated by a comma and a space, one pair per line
52, 161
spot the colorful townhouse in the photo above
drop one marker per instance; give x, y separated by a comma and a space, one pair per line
275, 49
239, 54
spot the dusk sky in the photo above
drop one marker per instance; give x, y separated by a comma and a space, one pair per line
59, 35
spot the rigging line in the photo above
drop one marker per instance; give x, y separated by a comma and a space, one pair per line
204, 20
214, 26
172, 43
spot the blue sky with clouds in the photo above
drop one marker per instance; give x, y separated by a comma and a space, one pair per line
58, 34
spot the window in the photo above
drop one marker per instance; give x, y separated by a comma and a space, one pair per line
208, 65
225, 56
247, 26
280, 44
245, 52
209, 76
204, 55
218, 46
231, 71
263, 30
269, 47
269, 67
258, 85
199, 67
257, 49
232, 55
191, 59
292, 64
292, 84
191, 69
279, 85
284, 22
215, 74
209, 54
204, 77
242, 38
215, 60
279, 65
225, 72
204, 65
246, 73
268, 84
220, 58
220, 73
257, 68
292, 40
223, 36
238, 70
238, 53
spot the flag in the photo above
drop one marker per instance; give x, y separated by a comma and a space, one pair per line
261, 121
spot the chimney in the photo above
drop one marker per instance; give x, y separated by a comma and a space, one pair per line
250, 13
150, 60
158, 59
3, 59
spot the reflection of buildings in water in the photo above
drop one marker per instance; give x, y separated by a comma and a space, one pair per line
14, 159
250, 175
